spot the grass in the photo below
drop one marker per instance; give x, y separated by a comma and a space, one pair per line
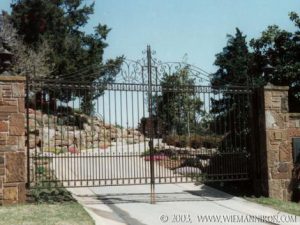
45, 214
284, 206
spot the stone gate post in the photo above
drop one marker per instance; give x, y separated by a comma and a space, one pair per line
12, 140
276, 146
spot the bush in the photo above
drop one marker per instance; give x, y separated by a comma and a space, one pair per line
176, 140
65, 110
40, 170
181, 142
194, 141
51, 195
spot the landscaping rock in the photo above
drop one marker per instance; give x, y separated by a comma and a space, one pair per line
87, 127
187, 170
84, 132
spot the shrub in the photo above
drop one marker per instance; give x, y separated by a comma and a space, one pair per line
51, 195
194, 141
181, 142
40, 170
176, 140
65, 110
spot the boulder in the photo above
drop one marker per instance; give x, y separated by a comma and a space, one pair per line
187, 170
48, 134
89, 138
96, 137
107, 126
62, 143
96, 128
34, 151
87, 127
97, 123
119, 132
131, 141
103, 145
89, 144
95, 144
34, 141
204, 162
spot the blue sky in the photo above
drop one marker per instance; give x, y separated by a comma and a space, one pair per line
174, 28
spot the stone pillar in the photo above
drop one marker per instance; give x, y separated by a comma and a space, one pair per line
279, 162
12, 140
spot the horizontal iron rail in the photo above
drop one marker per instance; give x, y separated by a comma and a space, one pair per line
142, 87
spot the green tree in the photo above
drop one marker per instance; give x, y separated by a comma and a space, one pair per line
75, 54
281, 49
233, 62
230, 110
25, 60
178, 106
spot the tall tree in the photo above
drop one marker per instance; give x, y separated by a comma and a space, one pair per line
25, 60
178, 108
75, 54
233, 62
230, 110
281, 49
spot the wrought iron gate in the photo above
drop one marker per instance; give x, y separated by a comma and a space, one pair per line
155, 123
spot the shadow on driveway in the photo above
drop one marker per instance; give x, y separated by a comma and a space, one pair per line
204, 194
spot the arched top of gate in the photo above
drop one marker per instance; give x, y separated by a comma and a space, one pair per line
138, 72
129, 71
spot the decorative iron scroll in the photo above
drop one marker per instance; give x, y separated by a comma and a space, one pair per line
137, 72
131, 72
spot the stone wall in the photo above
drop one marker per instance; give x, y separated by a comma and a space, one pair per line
294, 125
280, 127
12, 140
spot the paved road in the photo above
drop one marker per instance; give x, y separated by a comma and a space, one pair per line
176, 204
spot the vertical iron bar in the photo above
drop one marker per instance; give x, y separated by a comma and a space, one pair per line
116, 140
149, 69
126, 156
120, 155
137, 156
27, 134
132, 157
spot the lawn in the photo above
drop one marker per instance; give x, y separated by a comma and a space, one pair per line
288, 207
45, 214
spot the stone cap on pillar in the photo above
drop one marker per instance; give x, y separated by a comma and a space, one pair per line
272, 87
12, 78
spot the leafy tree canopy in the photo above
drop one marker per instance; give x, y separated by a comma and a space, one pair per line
281, 49
179, 111
242, 64
233, 62
25, 60
75, 54
60, 23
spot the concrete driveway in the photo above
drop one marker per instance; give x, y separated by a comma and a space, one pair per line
176, 204
183, 203
117, 165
